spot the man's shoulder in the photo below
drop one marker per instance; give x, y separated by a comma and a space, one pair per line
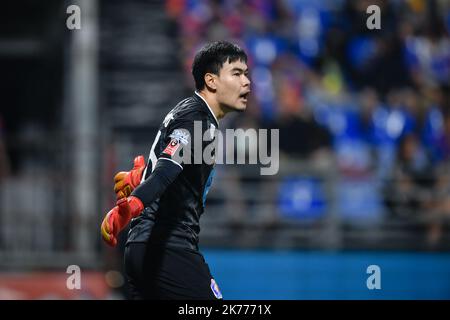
189, 109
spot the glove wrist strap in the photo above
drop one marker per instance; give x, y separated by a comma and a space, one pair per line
136, 206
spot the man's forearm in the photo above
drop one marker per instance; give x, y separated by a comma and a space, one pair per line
154, 186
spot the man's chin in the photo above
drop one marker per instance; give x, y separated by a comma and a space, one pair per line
239, 108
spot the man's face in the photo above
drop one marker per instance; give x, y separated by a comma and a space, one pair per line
233, 85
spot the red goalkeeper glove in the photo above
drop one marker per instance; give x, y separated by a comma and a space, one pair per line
119, 217
126, 181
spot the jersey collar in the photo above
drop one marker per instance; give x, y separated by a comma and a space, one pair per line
210, 110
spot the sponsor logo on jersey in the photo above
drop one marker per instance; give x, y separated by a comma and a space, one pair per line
172, 147
179, 137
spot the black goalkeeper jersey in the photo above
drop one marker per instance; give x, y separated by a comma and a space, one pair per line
173, 218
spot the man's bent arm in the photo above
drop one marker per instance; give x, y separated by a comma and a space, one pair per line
153, 187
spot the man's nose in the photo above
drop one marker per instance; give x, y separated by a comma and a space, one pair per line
247, 82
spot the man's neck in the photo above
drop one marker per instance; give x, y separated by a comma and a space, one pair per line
212, 103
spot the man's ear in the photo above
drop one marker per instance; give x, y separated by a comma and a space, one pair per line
210, 81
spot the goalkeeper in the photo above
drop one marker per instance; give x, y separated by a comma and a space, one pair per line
165, 198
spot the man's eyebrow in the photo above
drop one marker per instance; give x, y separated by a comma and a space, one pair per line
239, 69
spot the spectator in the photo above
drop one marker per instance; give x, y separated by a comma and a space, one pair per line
408, 192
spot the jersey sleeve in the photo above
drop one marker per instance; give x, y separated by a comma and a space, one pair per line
158, 181
178, 143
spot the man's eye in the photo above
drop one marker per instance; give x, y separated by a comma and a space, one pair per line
236, 74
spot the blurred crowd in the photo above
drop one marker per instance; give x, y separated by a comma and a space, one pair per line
377, 102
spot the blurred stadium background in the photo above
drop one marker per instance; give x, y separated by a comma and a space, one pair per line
364, 119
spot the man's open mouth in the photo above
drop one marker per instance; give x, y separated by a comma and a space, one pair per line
244, 95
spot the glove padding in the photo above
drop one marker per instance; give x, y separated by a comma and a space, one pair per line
126, 181
119, 217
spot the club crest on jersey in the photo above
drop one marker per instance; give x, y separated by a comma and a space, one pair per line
215, 289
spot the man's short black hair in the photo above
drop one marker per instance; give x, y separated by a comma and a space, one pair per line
211, 59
